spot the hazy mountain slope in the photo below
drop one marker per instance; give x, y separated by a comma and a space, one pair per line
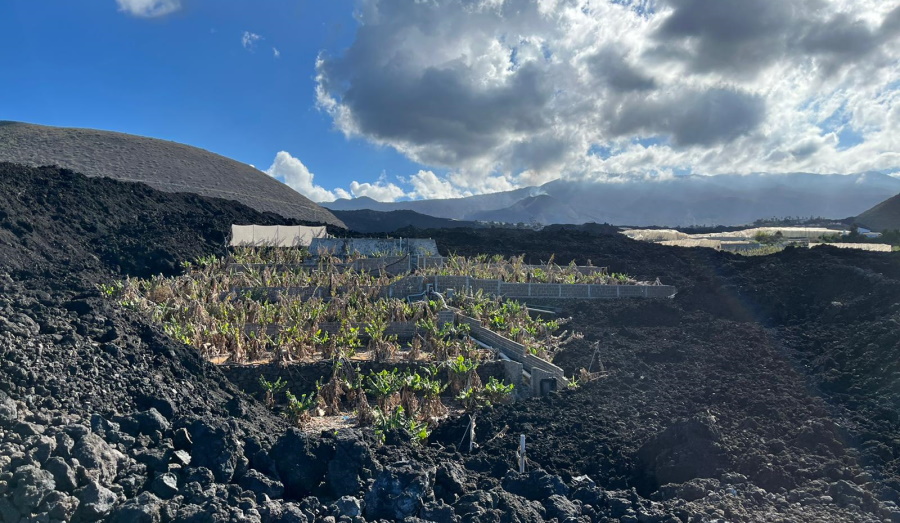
163, 165
455, 208
369, 221
683, 201
542, 208
884, 216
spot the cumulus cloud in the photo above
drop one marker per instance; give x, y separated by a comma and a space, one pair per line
149, 8
505, 93
248, 40
428, 186
380, 191
295, 175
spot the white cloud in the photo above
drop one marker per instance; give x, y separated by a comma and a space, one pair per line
380, 191
149, 8
428, 186
295, 175
276, 52
505, 93
248, 40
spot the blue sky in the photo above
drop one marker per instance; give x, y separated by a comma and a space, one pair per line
187, 77
395, 99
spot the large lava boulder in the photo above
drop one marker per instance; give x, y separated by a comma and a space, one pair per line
685, 450
218, 449
301, 462
399, 492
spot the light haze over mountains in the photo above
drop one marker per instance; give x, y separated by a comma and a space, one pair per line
679, 201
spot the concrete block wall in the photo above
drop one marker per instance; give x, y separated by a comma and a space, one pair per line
405, 287
512, 350
429, 262
549, 290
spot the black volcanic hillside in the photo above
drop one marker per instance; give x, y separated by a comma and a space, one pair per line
369, 221
884, 216
163, 165
542, 208
52, 217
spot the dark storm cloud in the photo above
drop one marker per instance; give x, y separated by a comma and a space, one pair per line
441, 106
539, 152
693, 118
610, 66
745, 36
739, 35
890, 28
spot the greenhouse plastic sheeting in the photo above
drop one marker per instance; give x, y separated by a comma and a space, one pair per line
275, 235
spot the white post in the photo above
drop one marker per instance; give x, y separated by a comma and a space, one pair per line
472, 434
521, 454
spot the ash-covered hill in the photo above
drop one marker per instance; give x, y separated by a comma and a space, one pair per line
163, 165
882, 217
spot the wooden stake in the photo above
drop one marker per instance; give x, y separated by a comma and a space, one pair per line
521, 454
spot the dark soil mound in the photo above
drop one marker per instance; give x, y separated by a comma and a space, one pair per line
883, 217
167, 166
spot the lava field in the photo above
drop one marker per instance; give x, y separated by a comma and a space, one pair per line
767, 389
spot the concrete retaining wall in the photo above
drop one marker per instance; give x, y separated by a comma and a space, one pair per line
431, 262
542, 372
464, 284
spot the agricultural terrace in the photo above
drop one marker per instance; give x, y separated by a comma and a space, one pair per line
201, 309
215, 309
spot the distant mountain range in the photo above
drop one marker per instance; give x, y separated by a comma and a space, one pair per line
681, 201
